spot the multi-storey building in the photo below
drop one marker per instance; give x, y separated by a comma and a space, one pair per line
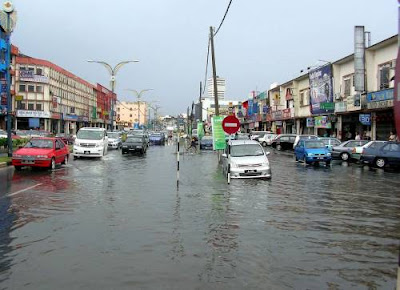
51, 98
104, 99
221, 88
132, 114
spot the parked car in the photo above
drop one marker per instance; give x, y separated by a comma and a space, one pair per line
386, 155
91, 142
134, 143
284, 142
330, 142
304, 137
312, 152
67, 139
41, 152
357, 151
242, 136
255, 135
157, 138
206, 143
266, 139
344, 150
245, 159
114, 140
3, 134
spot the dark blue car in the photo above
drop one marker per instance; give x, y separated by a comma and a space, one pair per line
157, 139
381, 157
312, 151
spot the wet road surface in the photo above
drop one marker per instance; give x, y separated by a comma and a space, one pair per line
121, 223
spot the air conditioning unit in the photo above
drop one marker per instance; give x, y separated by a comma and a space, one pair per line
338, 96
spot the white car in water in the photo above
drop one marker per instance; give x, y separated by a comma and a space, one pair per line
245, 159
90, 142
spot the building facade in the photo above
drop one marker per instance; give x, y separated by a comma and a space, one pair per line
221, 88
132, 114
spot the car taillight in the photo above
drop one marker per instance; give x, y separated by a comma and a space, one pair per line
354, 150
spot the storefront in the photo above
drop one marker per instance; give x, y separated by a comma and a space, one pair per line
27, 119
323, 126
56, 122
70, 124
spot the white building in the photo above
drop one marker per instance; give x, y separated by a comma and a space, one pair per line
220, 88
209, 108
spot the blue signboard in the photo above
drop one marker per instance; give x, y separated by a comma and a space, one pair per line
34, 123
365, 119
380, 96
321, 89
250, 108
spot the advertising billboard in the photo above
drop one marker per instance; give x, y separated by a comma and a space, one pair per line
321, 89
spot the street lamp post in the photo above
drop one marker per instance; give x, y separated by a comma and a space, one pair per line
113, 72
138, 95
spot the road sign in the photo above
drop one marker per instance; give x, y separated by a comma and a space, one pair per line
231, 124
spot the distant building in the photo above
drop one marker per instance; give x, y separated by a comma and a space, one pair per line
129, 113
221, 88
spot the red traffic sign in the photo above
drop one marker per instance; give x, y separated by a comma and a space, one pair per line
231, 124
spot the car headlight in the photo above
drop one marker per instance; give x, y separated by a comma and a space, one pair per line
328, 154
98, 145
76, 144
41, 156
17, 156
310, 154
234, 165
266, 163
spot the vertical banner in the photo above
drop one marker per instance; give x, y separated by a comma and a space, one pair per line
359, 58
321, 90
200, 130
218, 133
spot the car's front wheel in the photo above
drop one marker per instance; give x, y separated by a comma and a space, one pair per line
278, 147
53, 163
344, 156
380, 162
264, 144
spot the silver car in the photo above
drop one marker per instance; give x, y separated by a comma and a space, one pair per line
245, 159
344, 150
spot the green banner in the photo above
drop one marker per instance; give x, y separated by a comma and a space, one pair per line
200, 130
94, 112
218, 133
327, 106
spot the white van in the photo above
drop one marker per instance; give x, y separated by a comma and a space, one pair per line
90, 142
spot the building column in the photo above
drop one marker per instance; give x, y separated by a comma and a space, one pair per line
339, 130
373, 125
16, 123
298, 126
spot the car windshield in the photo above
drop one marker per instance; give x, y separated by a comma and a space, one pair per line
90, 135
40, 143
113, 135
246, 150
314, 144
134, 139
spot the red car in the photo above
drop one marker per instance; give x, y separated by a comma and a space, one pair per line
41, 152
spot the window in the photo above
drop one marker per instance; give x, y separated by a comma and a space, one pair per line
130, 115
384, 76
31, 69
347, 86
20, 105
118, 109
22, 88
39, 89
22, 68
304, 100
31, 88
39, 71
351, 144
72, 110
31, 106
38, 107
130, 109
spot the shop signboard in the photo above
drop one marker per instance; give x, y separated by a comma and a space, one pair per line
70, 117
19, 98
353, 103
322, 122
218, 133
328, 106
380, 99
250, 108
321, 88
340, 107
277, 115
56, 116
278, 123
365, 119
310, 122
29, 76
33, 114
34, 122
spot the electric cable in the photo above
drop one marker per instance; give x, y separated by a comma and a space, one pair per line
205, 75
226, 12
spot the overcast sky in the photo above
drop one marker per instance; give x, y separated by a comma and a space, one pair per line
260, 42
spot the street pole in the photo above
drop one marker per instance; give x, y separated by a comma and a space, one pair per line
138, 95
8, 80
214, 71
113, 73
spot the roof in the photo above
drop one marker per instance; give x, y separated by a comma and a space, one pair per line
242, 142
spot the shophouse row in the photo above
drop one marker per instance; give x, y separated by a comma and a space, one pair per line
324, 101
47, 97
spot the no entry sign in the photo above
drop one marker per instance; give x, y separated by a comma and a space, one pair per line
230, 124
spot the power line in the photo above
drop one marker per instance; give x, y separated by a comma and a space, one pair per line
226, 12
205, 75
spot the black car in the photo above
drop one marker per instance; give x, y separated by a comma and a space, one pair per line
134, 144
382, 156
206, 143
284, 142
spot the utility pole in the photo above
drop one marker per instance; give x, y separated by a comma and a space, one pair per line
200, 102
214, 71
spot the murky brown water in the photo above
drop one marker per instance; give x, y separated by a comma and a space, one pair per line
121, 223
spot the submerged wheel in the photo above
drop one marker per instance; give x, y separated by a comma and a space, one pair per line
345, 156
65, 162
278, 147
380, 162
264, 144
53, 164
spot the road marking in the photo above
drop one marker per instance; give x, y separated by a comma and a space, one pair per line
23, 190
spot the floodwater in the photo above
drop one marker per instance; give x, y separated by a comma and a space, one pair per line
122, 223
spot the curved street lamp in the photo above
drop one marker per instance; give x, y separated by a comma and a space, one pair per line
113, 71
138, 96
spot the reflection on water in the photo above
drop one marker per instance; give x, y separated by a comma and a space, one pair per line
120, 222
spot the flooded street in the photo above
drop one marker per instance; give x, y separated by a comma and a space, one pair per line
121, 223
